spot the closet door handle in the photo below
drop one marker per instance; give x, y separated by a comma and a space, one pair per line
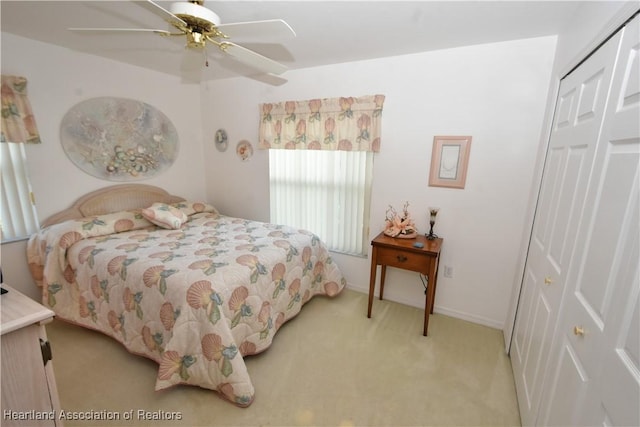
548, 281
578, 331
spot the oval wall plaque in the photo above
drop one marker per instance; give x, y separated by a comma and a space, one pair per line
119, 139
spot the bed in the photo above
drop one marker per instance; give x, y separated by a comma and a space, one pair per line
178, 282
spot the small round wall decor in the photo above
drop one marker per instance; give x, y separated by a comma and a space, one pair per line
244, 150
118, 139
221, 140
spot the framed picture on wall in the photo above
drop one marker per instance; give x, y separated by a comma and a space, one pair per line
449, 160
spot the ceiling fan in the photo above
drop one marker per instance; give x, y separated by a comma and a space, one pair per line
202, 27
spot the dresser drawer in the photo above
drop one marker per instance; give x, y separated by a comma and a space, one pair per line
403, 259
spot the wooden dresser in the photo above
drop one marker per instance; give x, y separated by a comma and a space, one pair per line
402, 253
29, 392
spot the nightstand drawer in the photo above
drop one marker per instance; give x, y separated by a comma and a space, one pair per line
403, 259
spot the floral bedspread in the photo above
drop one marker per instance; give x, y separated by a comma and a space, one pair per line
195, 299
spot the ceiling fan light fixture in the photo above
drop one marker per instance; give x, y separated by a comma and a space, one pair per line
195, 40
196, 15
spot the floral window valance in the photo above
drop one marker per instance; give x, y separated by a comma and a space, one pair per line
346, 124
18, 122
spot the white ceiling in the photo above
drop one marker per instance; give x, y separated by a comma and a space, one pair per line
328, 32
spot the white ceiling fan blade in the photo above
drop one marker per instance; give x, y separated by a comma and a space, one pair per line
270, 79
130, 30
253, 59
273, 29
156, 9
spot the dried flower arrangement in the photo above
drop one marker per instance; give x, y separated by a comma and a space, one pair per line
401, 226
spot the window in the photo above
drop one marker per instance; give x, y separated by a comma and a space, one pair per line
19, 218
325, 192
320, 165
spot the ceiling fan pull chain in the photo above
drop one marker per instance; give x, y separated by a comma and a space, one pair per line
204, 54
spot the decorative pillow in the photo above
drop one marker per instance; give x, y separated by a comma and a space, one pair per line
165, 216
190, 208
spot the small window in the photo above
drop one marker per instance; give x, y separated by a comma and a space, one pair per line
19, 218
325, 192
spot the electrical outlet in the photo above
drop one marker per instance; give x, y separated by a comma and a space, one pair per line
448, 271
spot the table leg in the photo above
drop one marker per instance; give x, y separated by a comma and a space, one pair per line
429, 296
383, 274
435, 268
426, 315
372, 279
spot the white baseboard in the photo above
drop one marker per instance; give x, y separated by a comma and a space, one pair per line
491, 323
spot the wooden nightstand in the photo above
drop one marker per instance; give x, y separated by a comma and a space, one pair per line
29, 392
401, 253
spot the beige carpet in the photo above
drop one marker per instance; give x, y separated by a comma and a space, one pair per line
330, 366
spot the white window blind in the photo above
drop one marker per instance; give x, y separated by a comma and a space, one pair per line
19, 218
325, 192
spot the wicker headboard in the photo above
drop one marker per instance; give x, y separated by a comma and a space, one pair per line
113, 199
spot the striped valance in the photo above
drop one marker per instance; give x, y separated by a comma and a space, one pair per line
346, 124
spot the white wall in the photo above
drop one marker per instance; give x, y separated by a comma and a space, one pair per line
592, 23
495, 92
58, 79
